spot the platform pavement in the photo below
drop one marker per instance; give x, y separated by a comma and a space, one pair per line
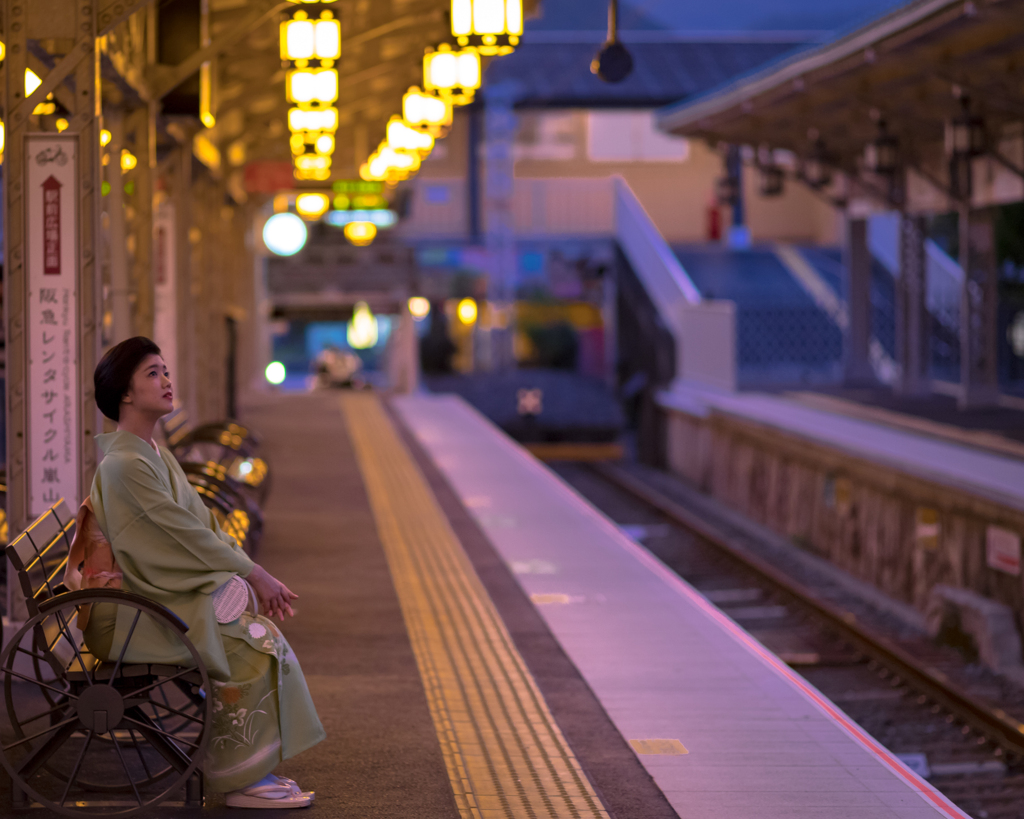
752, 738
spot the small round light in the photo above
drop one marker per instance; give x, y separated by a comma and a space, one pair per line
105, 137
275, 372
284, 234
62, 124
467, 311
419, 307
360, 233
128, 160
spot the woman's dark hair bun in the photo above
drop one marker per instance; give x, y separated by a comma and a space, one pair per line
114, 373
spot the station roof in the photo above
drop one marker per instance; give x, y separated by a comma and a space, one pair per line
904, 67
549, 72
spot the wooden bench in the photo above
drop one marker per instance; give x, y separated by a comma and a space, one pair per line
91, 734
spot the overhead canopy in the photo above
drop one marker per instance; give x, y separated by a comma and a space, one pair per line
903, 68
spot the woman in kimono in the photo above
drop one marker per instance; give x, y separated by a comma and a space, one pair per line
169, 548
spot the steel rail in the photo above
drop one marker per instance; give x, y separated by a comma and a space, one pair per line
992, 722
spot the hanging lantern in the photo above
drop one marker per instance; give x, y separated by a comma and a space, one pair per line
362, 329
426, 112
360, 233
816, 168
401, 137
454, 74
304, 39
881, 155
312, 86
773, 180
317, 119
494, 26
312, 205
965, 140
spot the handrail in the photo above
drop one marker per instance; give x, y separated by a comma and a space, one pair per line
653, 261
704, 331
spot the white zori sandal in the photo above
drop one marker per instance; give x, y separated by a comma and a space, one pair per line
270, 792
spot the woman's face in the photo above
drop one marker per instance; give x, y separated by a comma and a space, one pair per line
151, 392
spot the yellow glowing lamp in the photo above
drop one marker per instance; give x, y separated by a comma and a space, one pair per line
312, 86
324, 144
387, 163
493, 25
3, 137
3, 51
319, 119
467, 311
32, 82
312, 205
312, 142
427, 112
362, 329
312, 174
401, 137
128, 160
62, 125
360, 233
452, 72
311, 162
105, 138
419, 307
206, 115
306, 39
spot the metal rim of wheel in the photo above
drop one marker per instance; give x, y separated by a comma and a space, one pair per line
54, 759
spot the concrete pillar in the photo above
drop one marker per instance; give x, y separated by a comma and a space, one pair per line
186, 379
857, 369
912, 321
979, 362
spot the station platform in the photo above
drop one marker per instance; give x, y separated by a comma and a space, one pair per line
983, 461
482, 642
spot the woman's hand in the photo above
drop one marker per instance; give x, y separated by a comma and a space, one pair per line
274, 597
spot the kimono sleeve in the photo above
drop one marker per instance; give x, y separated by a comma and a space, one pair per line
173, 540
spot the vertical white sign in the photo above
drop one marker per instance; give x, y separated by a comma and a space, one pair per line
165, 314
51, 218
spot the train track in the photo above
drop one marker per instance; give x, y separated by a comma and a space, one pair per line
922, 702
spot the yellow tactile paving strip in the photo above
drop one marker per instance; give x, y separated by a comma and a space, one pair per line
504, 753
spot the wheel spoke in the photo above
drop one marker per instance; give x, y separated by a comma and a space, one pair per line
35, 654
172, 737
138, 750
34, 681
120, 755
45, 731
173, 711
78, 766
74, 644
58, 707
124, 648
164, 681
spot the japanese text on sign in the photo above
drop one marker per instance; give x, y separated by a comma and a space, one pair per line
53, 422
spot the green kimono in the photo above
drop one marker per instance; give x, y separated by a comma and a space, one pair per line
170, 549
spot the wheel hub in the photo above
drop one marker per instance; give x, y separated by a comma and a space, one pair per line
100, 708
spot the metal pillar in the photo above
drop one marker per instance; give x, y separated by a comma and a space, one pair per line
58, 21
979, 366
912, 328
857, 369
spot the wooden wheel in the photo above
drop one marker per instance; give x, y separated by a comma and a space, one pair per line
132, 733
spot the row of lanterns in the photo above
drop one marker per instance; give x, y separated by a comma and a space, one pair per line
310, 46
965, 139
451, 77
